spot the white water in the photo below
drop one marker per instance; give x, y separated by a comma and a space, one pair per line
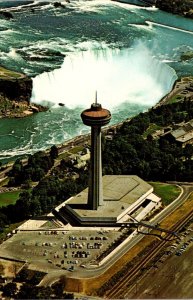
119, 76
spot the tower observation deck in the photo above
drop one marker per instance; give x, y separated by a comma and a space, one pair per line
96, 117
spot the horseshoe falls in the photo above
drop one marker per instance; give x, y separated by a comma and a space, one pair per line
120, 76
130, 55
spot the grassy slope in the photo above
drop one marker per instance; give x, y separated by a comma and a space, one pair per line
7, 74
168, 192
9, 198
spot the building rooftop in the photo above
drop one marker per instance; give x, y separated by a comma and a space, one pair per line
121, 194
183, 133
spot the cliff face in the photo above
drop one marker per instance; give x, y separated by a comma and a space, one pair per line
184, 8
15, 94
15, 86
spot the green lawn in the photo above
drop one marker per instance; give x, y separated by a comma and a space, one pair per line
151, 129
63, 155
5, 73
9, 198
168, 192
76, 149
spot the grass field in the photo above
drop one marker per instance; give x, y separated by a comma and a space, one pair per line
9, 198
168, 192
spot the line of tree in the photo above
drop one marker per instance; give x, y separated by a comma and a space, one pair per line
31, 291
36, 168
50, 191
152, 159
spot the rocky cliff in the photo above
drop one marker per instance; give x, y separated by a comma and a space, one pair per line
15, 94
14, 86
184, 8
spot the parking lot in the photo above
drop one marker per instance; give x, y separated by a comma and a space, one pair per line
57, 249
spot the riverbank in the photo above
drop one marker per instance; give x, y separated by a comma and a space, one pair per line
182, 90
183, 8
16, 109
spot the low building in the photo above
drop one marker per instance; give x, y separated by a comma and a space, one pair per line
124, 196
182, 135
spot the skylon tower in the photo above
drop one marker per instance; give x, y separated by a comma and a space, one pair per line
124, 195
96, 117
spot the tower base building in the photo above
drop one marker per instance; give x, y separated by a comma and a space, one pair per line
124, 197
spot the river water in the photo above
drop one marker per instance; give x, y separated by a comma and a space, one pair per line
130, 55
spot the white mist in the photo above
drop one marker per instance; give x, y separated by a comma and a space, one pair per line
126, 75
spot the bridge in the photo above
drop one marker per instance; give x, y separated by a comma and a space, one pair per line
137, 223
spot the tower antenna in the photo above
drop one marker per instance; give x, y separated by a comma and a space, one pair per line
96, 97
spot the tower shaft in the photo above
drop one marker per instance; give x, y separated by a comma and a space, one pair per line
95, 194
95, 117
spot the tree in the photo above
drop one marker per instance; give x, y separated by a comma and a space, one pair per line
35, 207
54, 152
27, 291
3, 220
58, 288
188, 151
10, 289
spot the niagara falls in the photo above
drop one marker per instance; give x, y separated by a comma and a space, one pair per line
130, 55
119, 76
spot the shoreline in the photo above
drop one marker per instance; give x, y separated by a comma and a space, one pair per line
182, 90
27, 110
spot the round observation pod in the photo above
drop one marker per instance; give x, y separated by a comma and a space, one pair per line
96, 115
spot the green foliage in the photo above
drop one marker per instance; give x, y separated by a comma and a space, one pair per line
54, 152
30, 276
37, 167
10, 289
175, 99
32, 291
130, 152
3, 220
167, 192
7, 198
151, 129
49, 192
28, 291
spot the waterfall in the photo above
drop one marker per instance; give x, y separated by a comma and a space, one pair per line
119, 75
